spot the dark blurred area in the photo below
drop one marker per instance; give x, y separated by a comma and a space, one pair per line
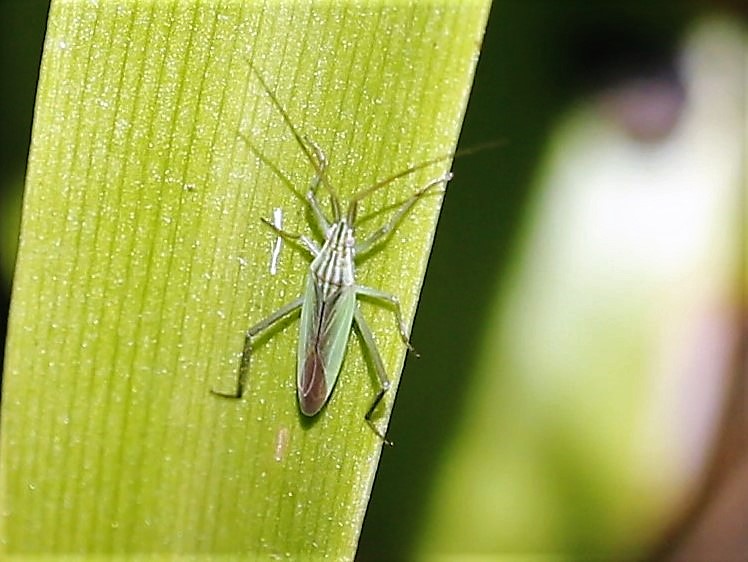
22, 25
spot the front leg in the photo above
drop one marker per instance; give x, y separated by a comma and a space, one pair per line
384, 230
305, 242
311, 195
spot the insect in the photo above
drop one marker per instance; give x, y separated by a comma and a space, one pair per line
329, 304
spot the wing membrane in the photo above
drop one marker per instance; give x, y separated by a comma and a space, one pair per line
323, 337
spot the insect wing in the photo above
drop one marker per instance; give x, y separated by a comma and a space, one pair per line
323, 337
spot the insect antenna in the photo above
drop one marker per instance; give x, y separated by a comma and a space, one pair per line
270, 164
364, 193
300, 140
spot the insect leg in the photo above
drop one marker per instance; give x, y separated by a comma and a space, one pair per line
311, 195
392, 300
308, 244
371, 349
321, 166
405, 206
247, 351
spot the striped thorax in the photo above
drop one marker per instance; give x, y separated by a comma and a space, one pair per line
334, 267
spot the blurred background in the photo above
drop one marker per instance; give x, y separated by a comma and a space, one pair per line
581, 391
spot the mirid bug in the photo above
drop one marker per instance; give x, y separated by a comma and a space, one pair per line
329, 306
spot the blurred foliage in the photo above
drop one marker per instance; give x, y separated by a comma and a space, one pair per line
539, 59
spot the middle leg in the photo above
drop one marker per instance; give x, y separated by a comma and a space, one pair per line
393, 301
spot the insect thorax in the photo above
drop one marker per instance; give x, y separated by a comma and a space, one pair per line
334, 266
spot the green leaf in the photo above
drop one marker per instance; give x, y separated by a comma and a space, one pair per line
143, 261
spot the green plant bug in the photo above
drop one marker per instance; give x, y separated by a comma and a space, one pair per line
329, 306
